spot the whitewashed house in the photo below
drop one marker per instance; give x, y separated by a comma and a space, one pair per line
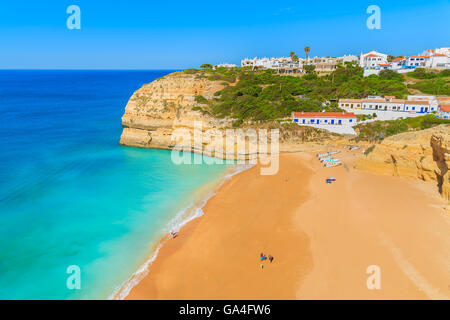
444, 111
438, 61
383, 104
416, 62
225, 65
417, 106
436, 58
283, 64
348, 58
414, 104
324, 118
398, 63
385, 66
372, 60
350, 103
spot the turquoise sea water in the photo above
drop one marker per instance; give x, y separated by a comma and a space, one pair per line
69, 194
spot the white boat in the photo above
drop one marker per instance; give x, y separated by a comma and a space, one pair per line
332, 164
330, 160
328, 153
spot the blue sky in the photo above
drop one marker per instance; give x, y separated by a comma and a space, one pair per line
175, 34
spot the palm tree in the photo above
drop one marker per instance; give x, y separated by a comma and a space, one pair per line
293, 56
307, 53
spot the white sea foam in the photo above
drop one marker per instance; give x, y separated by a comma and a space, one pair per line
186, 215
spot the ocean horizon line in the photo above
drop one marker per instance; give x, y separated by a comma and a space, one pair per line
54, 69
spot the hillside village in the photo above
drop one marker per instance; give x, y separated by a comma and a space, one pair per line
372, 62
357, 110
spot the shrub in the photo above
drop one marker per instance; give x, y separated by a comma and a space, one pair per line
369, 150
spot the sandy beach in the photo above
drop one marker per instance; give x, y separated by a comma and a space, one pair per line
323, 237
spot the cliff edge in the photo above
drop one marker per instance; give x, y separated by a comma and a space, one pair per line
177, 101
421, 154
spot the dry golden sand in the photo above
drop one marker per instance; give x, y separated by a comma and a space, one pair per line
323, 238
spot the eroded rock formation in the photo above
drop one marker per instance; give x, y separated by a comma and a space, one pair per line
420, 154
170, 104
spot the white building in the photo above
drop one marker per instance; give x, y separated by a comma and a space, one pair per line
414, 104
225, 65
418, 106
444, 51
383, 104
416, 62
444, 111
372, 60
324, 118
439, 61
283, 63
385, 66
398, 63
436, 58
349, 58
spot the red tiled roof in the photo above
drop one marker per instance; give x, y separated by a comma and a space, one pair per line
385, 64
350, 100
416, 102
371, 55
398, 59
373, 100
439, 55
323, 114
445, 107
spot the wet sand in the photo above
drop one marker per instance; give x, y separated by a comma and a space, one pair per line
322, 237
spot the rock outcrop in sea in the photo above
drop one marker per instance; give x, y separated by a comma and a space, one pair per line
421, 154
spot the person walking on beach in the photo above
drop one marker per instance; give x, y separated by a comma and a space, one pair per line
270, 258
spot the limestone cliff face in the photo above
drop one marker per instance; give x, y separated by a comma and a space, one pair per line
421, 154
156, 109
168, 104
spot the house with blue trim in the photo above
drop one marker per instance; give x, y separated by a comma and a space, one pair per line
444, 111
414, 104
324, 118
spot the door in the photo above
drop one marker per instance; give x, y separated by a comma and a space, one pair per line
332, 121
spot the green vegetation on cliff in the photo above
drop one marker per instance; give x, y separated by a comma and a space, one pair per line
431, 82
378, 130
266, 95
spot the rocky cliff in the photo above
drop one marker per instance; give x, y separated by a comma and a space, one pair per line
420, 154
171, 104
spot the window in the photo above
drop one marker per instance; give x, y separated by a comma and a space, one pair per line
304, 121
414, 108
296, 120
350, 120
